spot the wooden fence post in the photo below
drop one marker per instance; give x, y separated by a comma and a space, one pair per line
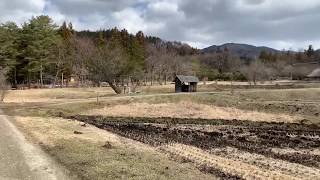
97, 97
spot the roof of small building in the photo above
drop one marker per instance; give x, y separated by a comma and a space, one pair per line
315, 73
187, 79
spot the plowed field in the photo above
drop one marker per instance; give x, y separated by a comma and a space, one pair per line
229, 149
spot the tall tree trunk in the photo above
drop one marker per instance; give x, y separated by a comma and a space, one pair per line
152, 78
15, 82
160, 76
41, 75
114, 87
254, 79
62, 79
29, 83
55, 78
165, 79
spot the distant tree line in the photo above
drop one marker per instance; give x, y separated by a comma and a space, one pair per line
40, 53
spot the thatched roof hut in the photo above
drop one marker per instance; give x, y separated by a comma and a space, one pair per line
315, 74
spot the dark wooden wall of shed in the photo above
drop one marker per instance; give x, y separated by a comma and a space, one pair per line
193, 87
178, 85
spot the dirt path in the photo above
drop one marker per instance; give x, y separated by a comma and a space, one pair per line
21, 160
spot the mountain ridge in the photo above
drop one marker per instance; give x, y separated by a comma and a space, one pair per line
244, 50
241, 50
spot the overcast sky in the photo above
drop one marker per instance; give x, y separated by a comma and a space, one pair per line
276, 23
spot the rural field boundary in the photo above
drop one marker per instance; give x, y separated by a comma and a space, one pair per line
194, 139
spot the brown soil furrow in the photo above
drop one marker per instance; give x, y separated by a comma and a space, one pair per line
284, 167
230, 166
252, 137
315, 151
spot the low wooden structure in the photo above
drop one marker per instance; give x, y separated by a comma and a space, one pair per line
186, 83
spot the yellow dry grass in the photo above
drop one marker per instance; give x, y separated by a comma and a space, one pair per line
189, 110
46, 130
58, 94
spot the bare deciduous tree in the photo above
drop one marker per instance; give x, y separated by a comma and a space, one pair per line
163, 64
257, 71
105, 64
85, 50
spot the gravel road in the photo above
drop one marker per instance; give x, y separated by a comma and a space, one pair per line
21, 160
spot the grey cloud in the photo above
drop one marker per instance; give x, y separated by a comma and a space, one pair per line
20, 10
13, 5
280, 24
85, 7
232, 23
254, 2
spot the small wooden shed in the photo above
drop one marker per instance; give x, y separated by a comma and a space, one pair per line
186, 83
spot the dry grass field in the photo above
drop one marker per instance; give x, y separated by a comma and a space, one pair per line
249, 133
58, 94
189, 110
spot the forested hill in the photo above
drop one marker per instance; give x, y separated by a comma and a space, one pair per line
172, 46
240, 50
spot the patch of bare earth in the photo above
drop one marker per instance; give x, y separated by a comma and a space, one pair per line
243, 164
251, 157
189, 110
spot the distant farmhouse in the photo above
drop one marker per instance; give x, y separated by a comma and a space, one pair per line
314, 75
308, 70
186, 83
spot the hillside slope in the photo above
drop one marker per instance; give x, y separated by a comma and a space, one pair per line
241, 50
